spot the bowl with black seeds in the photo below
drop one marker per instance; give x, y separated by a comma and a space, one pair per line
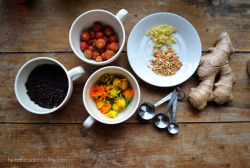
43, 85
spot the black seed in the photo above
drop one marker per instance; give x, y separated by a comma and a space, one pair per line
47, 85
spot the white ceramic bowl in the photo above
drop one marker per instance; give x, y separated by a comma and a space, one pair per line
91, 107
86, 20
22, 77
140, 47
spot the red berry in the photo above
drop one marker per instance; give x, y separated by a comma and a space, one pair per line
92, 34
100, 43
108, 31
83, 46
108, 47
97, 26
106, 39
103, 56
90, 42
85, 36
113, 38
99, 35
109, 54
95, 54
114, 46
98, 58
91, 48
88, 53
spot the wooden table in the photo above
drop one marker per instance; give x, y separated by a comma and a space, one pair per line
218, 136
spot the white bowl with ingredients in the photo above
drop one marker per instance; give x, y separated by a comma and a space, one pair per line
22, 79
84, 23
94, 113
140, 49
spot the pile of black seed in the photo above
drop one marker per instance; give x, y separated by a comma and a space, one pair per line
47, 85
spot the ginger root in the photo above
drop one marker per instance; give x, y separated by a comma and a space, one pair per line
216, 62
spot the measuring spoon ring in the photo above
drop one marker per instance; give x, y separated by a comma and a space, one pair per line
162, 120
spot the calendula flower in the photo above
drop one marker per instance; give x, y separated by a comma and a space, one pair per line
113, 92
105, 93
105, 108
111, 77
99, 92
95, 91
110, 87
105, 78
112, 114
116, 107
129, 93
124, 84
116, 82
100, 103
121, 102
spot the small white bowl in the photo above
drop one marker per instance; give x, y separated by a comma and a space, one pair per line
91, 107
140, 47
86, 21
22, 77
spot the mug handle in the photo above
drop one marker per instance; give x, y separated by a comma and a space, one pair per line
122, 15
76, 73
89, 122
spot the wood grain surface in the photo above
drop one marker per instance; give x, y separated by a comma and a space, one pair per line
43, 25
196, 145
218, 136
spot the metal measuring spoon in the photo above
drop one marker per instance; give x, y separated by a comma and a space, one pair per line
161, 120
147, 110
173, 127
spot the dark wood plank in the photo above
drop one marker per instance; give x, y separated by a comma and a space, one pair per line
74, 111
43, 25
131, 145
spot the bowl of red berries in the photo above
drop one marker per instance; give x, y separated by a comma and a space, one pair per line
97, 36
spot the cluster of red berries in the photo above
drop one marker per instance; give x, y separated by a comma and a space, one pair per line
99, 43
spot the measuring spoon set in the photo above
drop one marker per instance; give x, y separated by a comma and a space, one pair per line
147, 111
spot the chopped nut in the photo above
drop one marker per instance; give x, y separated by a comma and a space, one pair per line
166, 63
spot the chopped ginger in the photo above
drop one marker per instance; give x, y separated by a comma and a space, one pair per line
162, 35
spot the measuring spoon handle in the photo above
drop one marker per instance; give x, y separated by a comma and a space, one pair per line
174, 95
174, 107
163, 100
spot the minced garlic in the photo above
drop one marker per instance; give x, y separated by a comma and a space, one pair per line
162, 35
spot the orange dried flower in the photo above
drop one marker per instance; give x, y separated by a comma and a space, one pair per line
95, 91
108, 97
99, 92
105, 108
129, 93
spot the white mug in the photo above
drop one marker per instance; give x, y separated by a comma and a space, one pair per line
94, 113
23, 74
86, 21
